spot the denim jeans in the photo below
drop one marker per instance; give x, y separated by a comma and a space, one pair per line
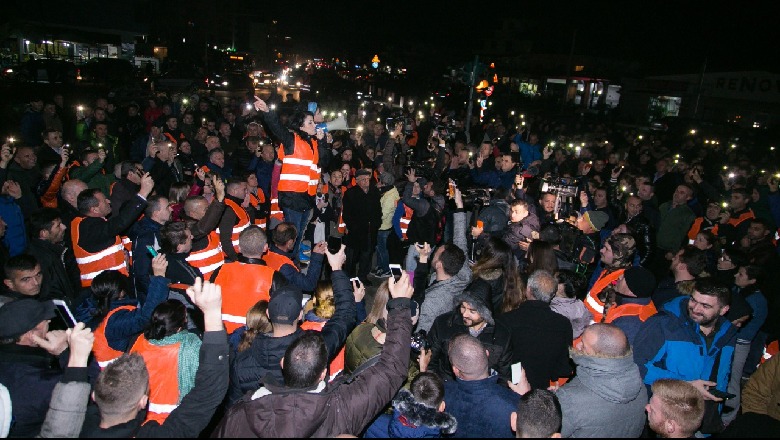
300, 220
382, 255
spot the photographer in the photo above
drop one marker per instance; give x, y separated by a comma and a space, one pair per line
418, 196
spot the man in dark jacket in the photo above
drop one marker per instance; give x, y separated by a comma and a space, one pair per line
534, 322
127, 187
260, 363
471, 316
480, 404
363, 216
156, 214
30, 361
305, 406
46, 235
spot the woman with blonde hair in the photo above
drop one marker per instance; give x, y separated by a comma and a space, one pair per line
324, 308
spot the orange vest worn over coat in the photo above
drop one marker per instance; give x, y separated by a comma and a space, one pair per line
642, 311
104, 354
243, 285
696, 228
243, 222
592, 301
405, 220
92, 264
337, 364
256, 201
209, 258
299, 172
163, 365
276, 261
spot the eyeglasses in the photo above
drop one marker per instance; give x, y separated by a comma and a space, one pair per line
724, 258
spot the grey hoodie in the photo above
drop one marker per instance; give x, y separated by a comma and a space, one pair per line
606, 399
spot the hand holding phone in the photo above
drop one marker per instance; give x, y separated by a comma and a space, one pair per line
396, 271
151, 250
334, 244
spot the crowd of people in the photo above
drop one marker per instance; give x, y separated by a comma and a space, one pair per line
185, 268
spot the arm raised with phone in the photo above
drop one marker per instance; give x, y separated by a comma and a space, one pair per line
342, 322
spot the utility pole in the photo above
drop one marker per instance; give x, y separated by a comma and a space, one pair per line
568, 70
470, 106
699, 89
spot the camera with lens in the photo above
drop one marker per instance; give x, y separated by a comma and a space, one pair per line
419, 341
565, 190
405, 121
476, 198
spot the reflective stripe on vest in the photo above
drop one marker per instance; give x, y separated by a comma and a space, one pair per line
104, 354
92, 264
209, 258
256, 201
243, 285
405, 220
162, 362
592, 302
299, 172
643, 312
243, 222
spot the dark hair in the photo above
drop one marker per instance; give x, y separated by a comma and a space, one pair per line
87, 200
754, 272
283, 233
121, 385
452, 259
296, 122
497, 255
550, 234
168, 318
694, 258
573, 284
428, 389
304, 360
42, 220
256, 322
172, 235
541, 255
737, 257
762, 222
711, 287
19, 263
108, 286
127, 167
538, 414
154, 204
741, 191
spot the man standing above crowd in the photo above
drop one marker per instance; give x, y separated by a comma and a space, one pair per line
363, 216
675, 221
303, 153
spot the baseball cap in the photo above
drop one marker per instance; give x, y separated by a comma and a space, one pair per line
285, 305
20, 316
597, 219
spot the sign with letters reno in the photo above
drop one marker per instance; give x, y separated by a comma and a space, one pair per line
752, 86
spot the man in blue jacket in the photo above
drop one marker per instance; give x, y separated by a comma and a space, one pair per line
500, 178
686, 338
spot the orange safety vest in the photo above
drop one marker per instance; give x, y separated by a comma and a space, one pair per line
770, 349
742, 217
256, 201
243, 285
337, 364
405, 220
643, 312
342, 228
104, 354
209, 258
592, 301
276, 261
276, 212
299, 172
243, 222
92, 264
696, 228
163, 365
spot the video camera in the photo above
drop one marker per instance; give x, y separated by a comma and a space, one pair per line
476, 198
404, 120
565, 190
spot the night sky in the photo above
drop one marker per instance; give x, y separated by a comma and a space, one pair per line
663, 36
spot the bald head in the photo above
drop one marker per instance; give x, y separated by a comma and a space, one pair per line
252, 242
606, 340
469, 358
195, 207
71, 190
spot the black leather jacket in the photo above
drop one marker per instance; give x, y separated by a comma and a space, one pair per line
644, 236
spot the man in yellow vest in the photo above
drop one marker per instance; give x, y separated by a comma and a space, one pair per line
97, 241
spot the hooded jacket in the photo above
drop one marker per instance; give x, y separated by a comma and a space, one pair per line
411, 419
606, 398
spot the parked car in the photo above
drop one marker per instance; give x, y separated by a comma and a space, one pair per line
178, 78
42, 71
107, 71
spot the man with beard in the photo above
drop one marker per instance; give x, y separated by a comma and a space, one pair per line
688, 339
